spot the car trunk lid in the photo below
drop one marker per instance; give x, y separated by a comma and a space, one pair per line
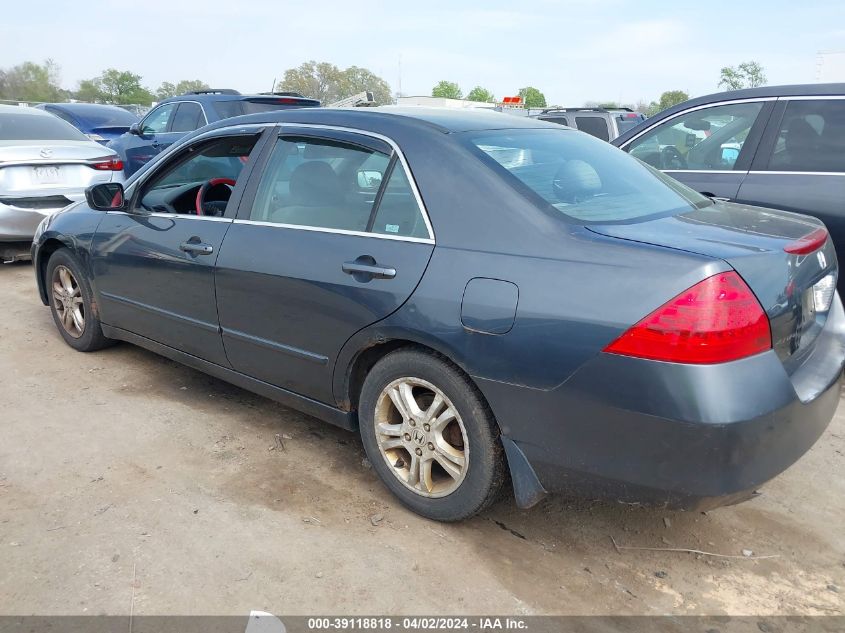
39, 168
783, 257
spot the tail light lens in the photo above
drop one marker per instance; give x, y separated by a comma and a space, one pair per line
107, 164
716, 321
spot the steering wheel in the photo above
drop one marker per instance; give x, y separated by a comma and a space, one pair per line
213, 207
670, 155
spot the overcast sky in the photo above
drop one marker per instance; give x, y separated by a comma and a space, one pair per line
573, 51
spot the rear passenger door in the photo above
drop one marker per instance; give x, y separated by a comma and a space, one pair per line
331, 236
800, 165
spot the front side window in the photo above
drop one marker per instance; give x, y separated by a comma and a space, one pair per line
581, 178
214, 166
702, 140
331, 184
811, 137
156, 121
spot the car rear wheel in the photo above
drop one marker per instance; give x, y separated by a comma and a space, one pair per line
430, 436
72, 303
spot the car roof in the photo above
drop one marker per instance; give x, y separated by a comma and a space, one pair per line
82, 108
794, 90
9, 109
442, 119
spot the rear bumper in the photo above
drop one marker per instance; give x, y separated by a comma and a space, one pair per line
677, 435
18, 224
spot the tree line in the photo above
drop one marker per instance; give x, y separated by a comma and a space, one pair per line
31, 81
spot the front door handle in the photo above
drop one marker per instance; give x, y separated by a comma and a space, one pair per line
365, 268
196, 248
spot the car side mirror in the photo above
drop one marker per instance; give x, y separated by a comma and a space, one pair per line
135, 129
729, 156
107, 196
369, 179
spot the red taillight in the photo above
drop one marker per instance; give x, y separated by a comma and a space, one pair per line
717, 320
110, 164
807, 244
289, 101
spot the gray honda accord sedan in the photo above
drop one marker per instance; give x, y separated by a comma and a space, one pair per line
486, 299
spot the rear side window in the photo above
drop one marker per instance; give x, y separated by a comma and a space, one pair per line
37, 127
581, 178
594, 126
560, 120
811, 137
188, 118
323, 183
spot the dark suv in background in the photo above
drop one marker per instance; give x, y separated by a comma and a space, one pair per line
778, 146
175, 117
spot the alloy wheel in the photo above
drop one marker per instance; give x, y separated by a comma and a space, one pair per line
421, 437
67, 301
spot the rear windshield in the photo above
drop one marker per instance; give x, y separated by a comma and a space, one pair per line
234, 107
37, 127
98, 116
581, 178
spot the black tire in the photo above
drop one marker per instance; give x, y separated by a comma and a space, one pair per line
484, 470
91, 337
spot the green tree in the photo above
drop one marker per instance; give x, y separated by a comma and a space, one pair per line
167, 89
447, 89
480, 94
745, 75
31, 82
328, 83
119, 87
532, 97
667, 100
354, 80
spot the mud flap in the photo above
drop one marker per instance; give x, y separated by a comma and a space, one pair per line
526, 487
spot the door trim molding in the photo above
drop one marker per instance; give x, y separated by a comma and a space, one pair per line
276, 347
205, 325
318, 229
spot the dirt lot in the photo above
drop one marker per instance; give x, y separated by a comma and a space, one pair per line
122, 473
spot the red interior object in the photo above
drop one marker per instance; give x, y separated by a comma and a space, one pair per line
716, 321
208, 185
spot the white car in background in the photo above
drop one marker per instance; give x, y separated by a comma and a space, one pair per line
45, 165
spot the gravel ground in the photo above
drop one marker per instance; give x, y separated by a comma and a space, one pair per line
130, 482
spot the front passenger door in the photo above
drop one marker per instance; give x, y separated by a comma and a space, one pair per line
334, 239
708, 149
155, 263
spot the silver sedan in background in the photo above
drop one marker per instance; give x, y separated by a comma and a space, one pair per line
45, 165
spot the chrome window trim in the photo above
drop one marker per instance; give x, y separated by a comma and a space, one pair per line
320, 229
704, 171
694, 109
408, 174
172, 216
812, 98
798, 173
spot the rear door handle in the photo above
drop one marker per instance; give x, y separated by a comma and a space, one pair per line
368, 270
197, 248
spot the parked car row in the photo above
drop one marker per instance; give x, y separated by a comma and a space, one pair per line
45, 164
474, 298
